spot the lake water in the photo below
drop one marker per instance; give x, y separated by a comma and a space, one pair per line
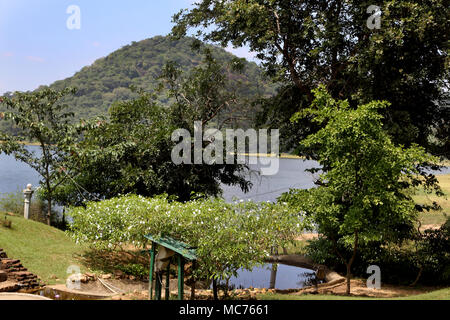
287, 277
16, 175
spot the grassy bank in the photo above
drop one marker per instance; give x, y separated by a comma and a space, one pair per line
442, 294
435, 217
43, 250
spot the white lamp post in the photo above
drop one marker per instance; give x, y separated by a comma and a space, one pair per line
27, 193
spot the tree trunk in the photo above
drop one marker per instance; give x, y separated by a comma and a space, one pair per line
194, 266
216, 296
193, 291
273, 273
348, 276
49, 210
273, 276
349, 264
417, 278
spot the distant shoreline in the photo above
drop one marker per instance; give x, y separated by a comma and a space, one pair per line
445, 163
36, 144
27, 143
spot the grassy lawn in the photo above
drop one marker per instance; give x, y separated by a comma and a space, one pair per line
442, 294
435, 217
43, 250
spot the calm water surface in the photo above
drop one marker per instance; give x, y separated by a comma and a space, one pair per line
287, 277
16, 175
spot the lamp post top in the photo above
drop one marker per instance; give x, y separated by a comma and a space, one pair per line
28, 191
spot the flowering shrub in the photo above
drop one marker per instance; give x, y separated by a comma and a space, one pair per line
227, 236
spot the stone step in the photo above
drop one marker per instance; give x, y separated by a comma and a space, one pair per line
17, 276
9, 286
3, 276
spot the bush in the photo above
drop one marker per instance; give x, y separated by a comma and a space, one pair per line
12, 202
426, 258
228, 237
433, 254
133, 269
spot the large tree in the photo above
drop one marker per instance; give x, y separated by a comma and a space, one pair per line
41, 118
307, 43
131, 152
362, 195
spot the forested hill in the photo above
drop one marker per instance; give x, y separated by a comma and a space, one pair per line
108, 79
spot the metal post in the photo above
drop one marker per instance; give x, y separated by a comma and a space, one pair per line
158, 285
168, 282
152, 266
27, 193
180, 277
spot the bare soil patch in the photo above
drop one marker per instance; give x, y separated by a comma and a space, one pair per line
307, 236
359, 288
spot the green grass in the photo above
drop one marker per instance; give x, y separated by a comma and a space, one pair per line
435, 216
442, 294
43, 250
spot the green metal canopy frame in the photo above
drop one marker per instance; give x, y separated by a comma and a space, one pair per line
183, 252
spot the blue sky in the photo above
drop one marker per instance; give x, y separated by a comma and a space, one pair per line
36, 47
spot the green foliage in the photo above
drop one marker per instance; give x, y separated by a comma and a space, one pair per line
227, 236
425, 257
362, 192
138, 270
305, 43
132, 151
12, 202
432, 254
41, 117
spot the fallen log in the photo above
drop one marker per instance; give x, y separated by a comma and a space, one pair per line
331, 277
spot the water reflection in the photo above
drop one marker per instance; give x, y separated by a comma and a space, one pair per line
276, 276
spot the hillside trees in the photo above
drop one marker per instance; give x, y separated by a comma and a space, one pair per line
306, 43
139, 64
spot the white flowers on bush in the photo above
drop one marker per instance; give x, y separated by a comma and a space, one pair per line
227, 236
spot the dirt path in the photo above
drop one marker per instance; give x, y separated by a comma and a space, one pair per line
359, 288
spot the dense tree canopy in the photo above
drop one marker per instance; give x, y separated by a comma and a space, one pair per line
307, 43
131, 152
